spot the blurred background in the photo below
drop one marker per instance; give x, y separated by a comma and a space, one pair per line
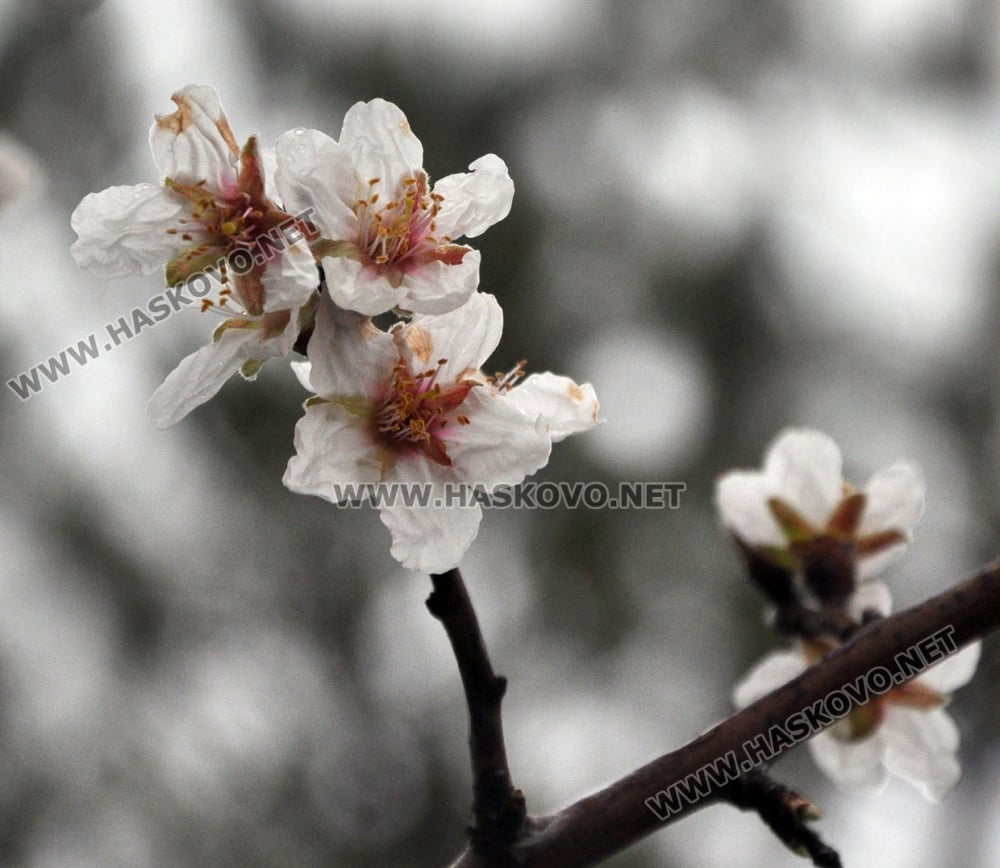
729, 217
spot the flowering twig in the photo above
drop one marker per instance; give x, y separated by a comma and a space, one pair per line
606, 822
498, 808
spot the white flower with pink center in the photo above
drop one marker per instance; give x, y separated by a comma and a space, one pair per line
213, 225
388, 237
412, 407
904, 732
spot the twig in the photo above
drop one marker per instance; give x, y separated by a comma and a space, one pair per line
498, 809
785, 812
609, 821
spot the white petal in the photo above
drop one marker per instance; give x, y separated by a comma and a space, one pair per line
269, 166
803, 467
290, 279
465, 337
316, 175
500, 445
954, 671
895, 499
870, 595
873, 564
854, 764
434, 539
123, 230
741, 497
349, 356
920, 747
200, 375
358, 287
564, 407
772, 672
381, 144
436, 288
195, 143
474, 201
302, 371
333, 449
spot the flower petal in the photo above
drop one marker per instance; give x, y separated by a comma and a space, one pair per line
920, 747
877, 551
333, 449
348, 355
500, 445
465, 337
357, 287
433, 539
195, 143
476, 200
201, 375
290, 279
954, 671
123, 230
870, 595
741, 497
853, 764
895, 499
436, 287
381, 144
302, 371
316, 175
804, 467
772, 672
564, 407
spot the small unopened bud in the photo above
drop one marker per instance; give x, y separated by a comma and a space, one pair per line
802, 808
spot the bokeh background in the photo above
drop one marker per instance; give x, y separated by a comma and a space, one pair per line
729, 217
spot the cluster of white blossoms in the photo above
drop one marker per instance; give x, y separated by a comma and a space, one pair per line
305, 244
799, 515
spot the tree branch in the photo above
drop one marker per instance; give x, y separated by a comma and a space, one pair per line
614, 818
498, 809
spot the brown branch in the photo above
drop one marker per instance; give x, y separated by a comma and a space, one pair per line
614, 818
498, 809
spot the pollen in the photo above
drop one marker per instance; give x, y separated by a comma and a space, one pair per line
416, 409
217, 223
399, 226
504, 382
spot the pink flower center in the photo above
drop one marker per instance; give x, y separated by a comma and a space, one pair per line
392, 232
417, 408
231, 232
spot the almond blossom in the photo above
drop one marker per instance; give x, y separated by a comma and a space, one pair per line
904, 732
412, 406
211, 216
388, 237
800, 513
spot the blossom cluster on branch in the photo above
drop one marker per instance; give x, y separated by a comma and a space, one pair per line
305, 244
342, 250
813, 543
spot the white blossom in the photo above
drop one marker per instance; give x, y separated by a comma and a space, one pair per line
388, 236
413, 407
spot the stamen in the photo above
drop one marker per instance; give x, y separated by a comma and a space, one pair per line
504, 382
417, 408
